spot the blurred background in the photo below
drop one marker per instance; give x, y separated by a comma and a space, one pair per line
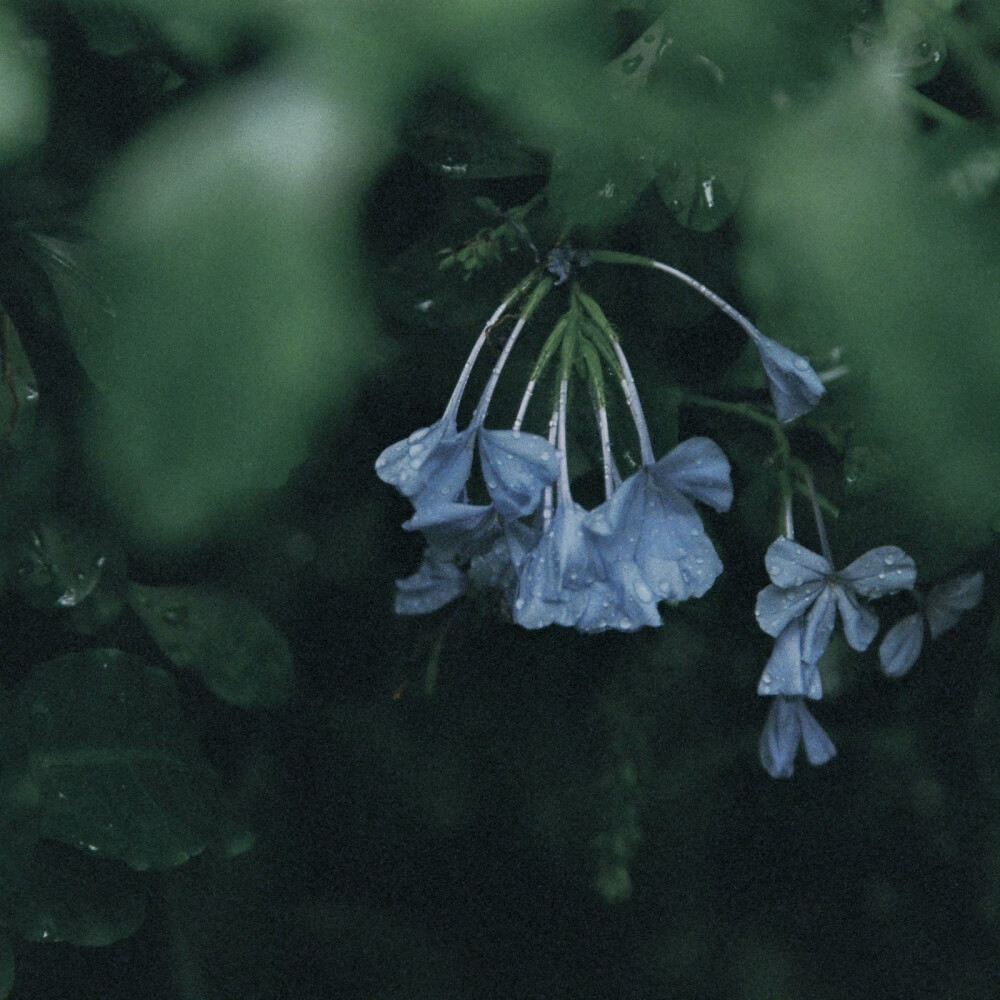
227, 768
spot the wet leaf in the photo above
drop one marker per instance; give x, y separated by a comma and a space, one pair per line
240, 655
107, 764
700, 194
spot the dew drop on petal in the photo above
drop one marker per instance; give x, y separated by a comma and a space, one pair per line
801, 364
643, 592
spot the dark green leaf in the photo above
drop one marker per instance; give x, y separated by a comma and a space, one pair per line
107, 762
239, 654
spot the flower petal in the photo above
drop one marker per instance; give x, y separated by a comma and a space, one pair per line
432, 464
456, 530
789, 564
819, 625
779, 741
860, 623
882, 571
786, 672
517, 467
699, 468
901, 646
777, 606
795, 387
435, 584
819, 746
947, 601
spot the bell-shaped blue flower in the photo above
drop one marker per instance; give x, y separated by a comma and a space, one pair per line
806, 584
432, 464
557, 573
788, 724
456, 530
436, 582
902, 644
516, 467
787, 672
650, 538
795, 388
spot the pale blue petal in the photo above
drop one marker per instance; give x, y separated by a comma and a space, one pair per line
435, 584
786, 672
563, 559
776, 606
498, 567
901, 646
882, 571
604, 610
456, 530
795, 387
432, 464
860, 623
779, 741
947, 601
819, 746
789, 564
819, 625
699, 468
516, 467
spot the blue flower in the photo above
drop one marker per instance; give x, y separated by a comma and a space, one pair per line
432, 464
787, 672
788, 724
941, 611
806, 584
556, 574
517, 467
650, 538
437, 582
795, 387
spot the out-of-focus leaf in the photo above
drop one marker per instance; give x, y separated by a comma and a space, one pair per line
910, 40
231, 260
18, 391
849, 221
107, 764
66, 896
58, 563
23, 97
240, 655
700, 194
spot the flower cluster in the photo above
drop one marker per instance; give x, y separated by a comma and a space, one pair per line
555, 561
800, 608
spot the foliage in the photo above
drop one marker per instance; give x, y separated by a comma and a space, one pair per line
734, 274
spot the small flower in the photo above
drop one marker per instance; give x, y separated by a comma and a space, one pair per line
805, 584
795, 388
787, 672
648, 534
437, 582
517, 467
432, 464
789, 723
940, 612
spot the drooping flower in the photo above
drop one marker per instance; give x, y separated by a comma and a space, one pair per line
516, 467
805, 584
940, 611
787, 672
788, 724
651, 539
436, 582
795, 388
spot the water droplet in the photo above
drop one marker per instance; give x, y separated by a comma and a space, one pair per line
889, 559
626, 622
643, 592
801, 364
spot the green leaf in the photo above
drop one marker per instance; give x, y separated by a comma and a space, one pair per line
106, 762
66, 896
700, 194
229, 253
240, 655
23, 104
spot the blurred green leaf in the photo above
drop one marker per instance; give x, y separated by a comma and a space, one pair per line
240, 655
231, 262
66, 896
106, 763
23, 97
852, 223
